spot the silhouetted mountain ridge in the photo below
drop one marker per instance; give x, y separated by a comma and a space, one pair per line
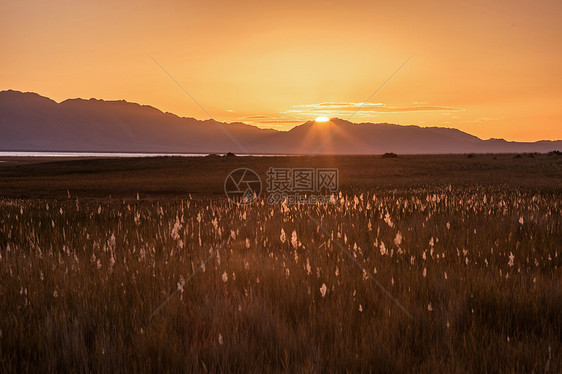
30, 122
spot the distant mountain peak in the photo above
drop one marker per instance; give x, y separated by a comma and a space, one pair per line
31, 122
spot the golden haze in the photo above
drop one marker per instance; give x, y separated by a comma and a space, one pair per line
488, 68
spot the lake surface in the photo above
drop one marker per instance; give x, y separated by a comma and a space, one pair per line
115, 154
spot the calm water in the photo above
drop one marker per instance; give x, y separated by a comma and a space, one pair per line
112, 154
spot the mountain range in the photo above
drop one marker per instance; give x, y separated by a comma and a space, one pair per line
30, 122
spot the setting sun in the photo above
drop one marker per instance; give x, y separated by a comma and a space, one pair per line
321, 119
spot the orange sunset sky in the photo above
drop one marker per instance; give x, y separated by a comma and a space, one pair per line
490, 68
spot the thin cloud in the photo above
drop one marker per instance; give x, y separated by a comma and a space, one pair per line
271, 120
254, 117
337, 105
342, 108
483, 119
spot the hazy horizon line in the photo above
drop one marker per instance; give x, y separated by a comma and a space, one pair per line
262, 127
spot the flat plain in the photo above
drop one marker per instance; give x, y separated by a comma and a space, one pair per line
444, 263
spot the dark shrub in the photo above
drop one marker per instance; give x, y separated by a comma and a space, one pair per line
390, 155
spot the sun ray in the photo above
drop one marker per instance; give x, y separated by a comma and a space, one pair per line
321, 119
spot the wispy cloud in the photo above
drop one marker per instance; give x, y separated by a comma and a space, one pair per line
338, 105
343, 108
482, 119
303, 112
279, 121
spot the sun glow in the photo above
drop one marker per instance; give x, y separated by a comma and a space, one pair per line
321, 119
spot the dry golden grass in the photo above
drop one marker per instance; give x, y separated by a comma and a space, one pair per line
471, 250
79, 282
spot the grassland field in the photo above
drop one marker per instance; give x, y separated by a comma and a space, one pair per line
442, 263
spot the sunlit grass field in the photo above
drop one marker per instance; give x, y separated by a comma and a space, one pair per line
424, 276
